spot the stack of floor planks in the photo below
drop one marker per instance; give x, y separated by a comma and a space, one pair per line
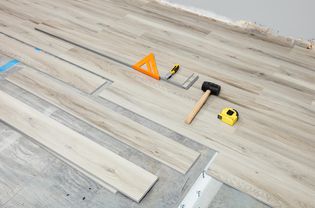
268, 154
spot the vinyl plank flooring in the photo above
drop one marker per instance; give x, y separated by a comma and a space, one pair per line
25, 169
53, 66
136, 49
112, 96
141, 138
133, 80
20, 162
145, 107
263, 188
262, 48
271, 85
78, 149
178, 17
83, 13
23, 31
94, 43
84, 172
120, 45
151, 110
57, 186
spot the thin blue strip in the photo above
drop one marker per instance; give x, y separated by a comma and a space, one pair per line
8, 65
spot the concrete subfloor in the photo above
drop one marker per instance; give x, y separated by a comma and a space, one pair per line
31, 176
228, 197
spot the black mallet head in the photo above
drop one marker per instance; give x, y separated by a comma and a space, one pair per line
214, 88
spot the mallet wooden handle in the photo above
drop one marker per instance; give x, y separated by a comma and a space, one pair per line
197, 107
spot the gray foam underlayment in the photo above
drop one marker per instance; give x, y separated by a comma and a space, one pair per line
293, 18
30, 176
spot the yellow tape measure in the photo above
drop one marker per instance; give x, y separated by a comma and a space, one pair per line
229, 116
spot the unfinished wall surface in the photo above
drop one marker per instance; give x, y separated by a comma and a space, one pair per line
291, 18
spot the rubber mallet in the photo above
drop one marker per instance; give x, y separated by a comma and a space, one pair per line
210, 89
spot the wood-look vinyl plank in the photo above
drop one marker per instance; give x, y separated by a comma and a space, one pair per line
304, 56
78, 15
46, 10
296, 81
113, 47
273, 77
178, 17
20, 162
163, 149
91, 42
186, 17
296, 97
163, 48
93, 158
304, 52
244, 178
271, 86
148, 23
260, 47
199, 135
114, 94
119, 74
178, 53
24, 32
283, 105
130, 101
53, 66
22, 10
200, 54
280, 145
112, 72
110, 94
59, 186
84, 172
120, 47
121, 7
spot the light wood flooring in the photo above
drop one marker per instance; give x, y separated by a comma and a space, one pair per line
269, 153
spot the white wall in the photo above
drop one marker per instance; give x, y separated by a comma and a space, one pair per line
294, 18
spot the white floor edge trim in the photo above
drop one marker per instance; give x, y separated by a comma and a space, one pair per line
203, 191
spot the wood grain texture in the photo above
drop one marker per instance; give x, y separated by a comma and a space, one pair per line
143, 139
30, 175
84, 172
229, 93
263, 188
88, 155
22, 30
53, 66
20, 162
270, 85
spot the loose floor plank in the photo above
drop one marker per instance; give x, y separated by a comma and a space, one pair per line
141, 138
93, 158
